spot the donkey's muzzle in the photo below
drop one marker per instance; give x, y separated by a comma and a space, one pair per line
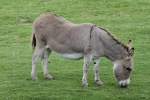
124, 83
123, 86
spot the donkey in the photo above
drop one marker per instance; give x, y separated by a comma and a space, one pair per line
76, 41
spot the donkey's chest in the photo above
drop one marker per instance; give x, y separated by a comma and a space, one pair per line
74, 56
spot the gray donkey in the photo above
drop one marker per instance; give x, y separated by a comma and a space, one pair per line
75, 41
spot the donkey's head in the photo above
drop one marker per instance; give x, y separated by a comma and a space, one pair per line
124, 67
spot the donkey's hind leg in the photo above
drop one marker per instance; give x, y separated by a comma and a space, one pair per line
47, 52
38, 53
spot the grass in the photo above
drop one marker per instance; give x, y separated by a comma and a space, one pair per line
126, 19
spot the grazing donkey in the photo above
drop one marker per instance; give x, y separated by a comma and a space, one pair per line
74, 41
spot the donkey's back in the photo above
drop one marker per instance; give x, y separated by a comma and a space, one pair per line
60, 35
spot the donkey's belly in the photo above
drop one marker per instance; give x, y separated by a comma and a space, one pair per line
74, 56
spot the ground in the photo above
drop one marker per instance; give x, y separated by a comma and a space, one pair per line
126, 19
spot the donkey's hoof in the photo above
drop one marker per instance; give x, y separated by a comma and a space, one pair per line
49, 77
84, 85
98, 82
34, 78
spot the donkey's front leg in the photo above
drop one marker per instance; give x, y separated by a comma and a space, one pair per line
96, 72
87, 61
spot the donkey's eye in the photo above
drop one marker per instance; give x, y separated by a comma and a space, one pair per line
129, 69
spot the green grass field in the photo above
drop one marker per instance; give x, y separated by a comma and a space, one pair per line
126, 19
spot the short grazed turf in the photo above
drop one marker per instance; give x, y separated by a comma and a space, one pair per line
126, 19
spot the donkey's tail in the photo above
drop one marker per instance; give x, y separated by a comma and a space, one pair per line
33, 41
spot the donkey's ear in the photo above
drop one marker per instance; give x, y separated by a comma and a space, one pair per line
129, 44
130, 48
131, 51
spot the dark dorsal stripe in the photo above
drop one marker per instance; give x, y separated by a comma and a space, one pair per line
91, 31
90, 37
117, 41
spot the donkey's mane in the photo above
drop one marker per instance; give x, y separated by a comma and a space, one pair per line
117, 41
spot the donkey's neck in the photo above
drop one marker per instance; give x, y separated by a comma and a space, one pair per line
114, 52
113, 49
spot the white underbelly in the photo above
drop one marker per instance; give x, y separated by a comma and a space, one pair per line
72, 55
